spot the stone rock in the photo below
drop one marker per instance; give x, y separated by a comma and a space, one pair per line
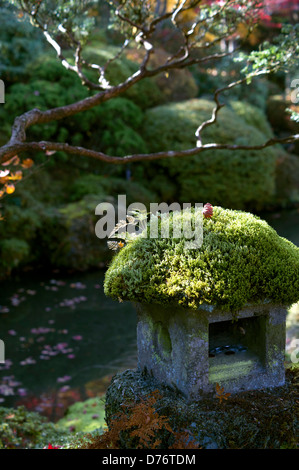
174, 345
254, 419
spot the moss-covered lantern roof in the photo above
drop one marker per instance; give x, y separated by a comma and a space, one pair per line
242, 261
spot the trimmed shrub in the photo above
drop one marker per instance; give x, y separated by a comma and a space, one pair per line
67, 238
103, 186
145, 93
19, 42
222, 73
13, 252
238, 179
112, 127
287, 178
175, 85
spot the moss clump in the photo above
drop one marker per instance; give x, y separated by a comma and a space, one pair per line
257, 419
84, 416
242, 260
20, 428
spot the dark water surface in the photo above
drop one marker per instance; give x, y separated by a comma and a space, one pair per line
64, 339
285, 223
61, 336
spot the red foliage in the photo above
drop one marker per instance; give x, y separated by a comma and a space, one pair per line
53, 404
52, 447
143, 426
272, 8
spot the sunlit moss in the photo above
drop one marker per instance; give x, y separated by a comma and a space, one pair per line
84, 416
242, 260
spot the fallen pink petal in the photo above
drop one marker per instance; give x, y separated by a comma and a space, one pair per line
77, 337
12, 332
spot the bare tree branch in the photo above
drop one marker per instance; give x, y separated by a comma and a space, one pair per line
44, 146
36, 116
219, 105
182, 58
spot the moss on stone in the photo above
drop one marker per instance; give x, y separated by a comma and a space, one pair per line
257, 419
242, 260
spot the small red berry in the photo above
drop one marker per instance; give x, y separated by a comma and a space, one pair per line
207, 210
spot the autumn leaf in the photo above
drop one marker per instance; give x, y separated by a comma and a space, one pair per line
52, 447
16, 176
27, 163
220, 394
3, 180
13, 161
10, 188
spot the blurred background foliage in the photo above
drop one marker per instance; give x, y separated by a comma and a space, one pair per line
49, 219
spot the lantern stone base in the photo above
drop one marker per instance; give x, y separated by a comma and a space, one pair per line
192, 350
256, 419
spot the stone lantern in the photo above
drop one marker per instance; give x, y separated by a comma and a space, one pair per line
215, 314
194, 350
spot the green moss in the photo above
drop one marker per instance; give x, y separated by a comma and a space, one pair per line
256, 419
224, 372
84, 416
162, 340
242, 260
20, 428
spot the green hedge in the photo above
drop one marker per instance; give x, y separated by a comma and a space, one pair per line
50, 219
19, 42
236, 179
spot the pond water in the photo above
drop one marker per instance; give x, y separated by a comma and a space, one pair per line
64, 339
286, 224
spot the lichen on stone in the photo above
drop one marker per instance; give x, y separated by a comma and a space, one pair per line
242, 261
